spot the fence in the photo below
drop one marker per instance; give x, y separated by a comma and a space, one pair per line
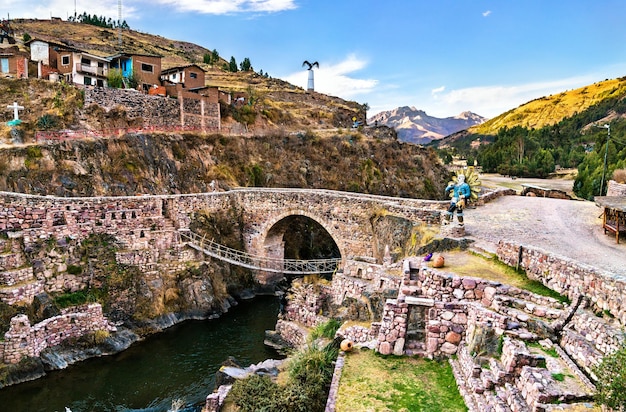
236, 257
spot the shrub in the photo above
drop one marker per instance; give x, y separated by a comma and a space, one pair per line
611, 384
255, 393
115, 79
47, 122
310, 372
620, 176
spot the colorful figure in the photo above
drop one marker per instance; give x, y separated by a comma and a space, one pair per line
460, 192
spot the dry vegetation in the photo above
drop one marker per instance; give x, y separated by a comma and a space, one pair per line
552, 109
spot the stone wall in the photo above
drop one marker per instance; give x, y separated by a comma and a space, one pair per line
588, 338
569, 278
188, 110
22, 339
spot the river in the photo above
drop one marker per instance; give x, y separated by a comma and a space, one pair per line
177, 364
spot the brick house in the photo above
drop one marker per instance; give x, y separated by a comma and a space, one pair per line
13, 62
75, 65
146, 68
190, 76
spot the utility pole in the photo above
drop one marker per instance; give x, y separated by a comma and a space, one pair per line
119, 24
606, 153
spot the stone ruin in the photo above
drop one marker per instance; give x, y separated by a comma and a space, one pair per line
510, 349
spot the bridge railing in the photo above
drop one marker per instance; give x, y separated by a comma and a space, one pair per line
237, 257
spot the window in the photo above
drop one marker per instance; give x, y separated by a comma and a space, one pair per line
147, 67
87, 81
85, 61
193, 75
65, 60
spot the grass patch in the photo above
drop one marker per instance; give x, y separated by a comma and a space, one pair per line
325, 330
470, 264
79, 297
371, 382
550, 351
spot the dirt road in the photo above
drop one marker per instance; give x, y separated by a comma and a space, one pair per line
569, 228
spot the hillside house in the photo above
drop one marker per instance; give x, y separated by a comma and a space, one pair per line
13, 62
190, 76
75, 65
146, 68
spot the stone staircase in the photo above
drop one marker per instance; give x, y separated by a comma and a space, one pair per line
520, 381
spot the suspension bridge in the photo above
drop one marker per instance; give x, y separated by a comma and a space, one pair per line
239, 258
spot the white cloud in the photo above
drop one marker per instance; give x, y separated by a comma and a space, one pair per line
490, 101
486, 13
336, 79
44, 9
63, 8
438, 90
229, 6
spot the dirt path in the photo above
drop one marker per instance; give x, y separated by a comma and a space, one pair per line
568, 228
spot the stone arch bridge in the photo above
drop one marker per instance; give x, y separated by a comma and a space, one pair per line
148, 224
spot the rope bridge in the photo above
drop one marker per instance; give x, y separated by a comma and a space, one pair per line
239, 258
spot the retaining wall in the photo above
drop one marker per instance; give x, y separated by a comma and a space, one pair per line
22, 339
569, 278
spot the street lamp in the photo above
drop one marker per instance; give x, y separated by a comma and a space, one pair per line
606, 152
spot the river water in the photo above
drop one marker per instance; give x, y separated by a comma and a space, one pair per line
178, 364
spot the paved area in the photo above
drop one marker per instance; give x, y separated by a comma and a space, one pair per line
569, 228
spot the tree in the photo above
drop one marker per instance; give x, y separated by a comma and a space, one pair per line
215, 56
245, 65
232, 66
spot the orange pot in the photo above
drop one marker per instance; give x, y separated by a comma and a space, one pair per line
346, 345
439, 261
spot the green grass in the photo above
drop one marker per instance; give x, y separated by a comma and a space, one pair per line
469, 264
371, 382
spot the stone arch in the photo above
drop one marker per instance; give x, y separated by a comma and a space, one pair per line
268, 243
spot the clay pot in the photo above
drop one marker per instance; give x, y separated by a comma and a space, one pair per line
346, 345
438, 262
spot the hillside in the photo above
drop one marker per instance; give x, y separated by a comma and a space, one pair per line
583, 129
415, 126
305, 110
190, 163
549, 110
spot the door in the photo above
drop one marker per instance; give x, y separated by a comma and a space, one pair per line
4, 65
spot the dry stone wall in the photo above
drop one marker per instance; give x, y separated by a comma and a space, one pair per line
22, 339
188, 110
569, 278
141, 222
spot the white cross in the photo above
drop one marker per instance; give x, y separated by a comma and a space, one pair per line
15, 108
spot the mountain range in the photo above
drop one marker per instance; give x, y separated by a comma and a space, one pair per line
415, 126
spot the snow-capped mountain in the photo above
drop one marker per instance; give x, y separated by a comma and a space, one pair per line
415, 126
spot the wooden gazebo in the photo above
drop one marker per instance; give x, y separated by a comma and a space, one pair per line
614, 216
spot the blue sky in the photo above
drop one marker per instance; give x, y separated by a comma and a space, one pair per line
440, 56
